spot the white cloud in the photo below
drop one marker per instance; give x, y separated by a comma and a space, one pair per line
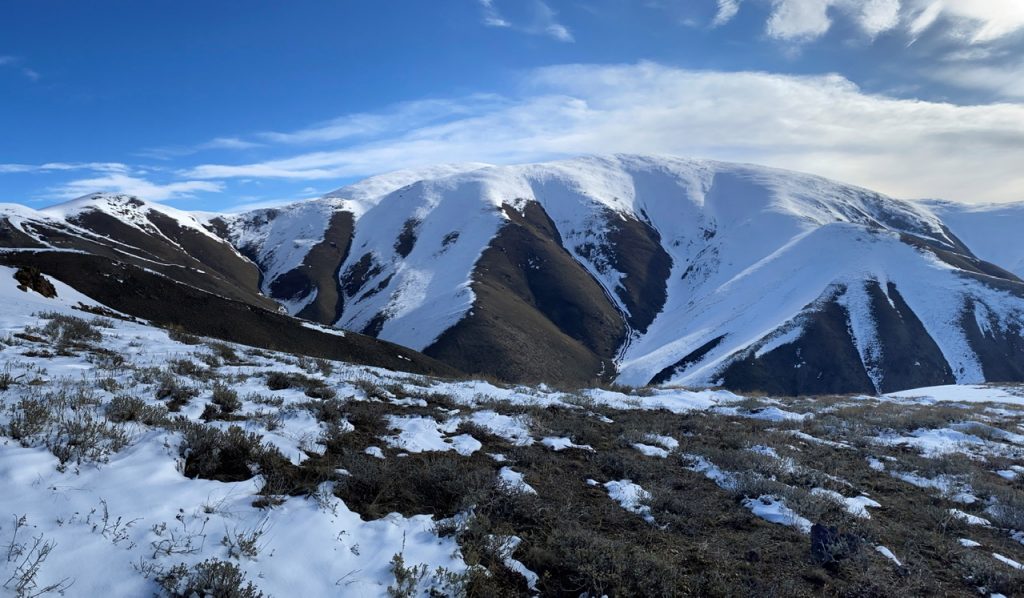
122, 183
878, 16
965, 21
406, 114
491, 16
823, 124
799, 20
923, 18
989, 20
218, 143
727, 10
229, 143
1004, 80
542, 21
545, 20
16, 62
64, 166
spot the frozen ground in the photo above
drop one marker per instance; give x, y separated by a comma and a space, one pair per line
138, 461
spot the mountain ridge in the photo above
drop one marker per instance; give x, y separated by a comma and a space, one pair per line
644, 269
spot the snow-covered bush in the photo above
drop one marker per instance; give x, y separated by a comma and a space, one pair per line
212, 577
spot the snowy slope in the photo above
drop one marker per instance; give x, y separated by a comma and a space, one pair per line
127, 229
100, 500
992, 231
278, 239
127, 209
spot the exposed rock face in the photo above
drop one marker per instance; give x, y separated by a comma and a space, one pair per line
31, 279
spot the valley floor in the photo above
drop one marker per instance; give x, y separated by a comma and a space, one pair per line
139, 461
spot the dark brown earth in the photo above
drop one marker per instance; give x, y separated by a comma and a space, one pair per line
166, 302
319, 271
182, 254
538, 315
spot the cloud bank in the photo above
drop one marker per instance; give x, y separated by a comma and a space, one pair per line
820, 124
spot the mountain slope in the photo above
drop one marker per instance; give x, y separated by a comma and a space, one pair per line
166, 266
635, 269
147, 235
991, 231
656, 269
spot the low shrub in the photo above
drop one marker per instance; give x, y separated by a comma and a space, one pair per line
440, 484
125, 408
226, 399
225, 353
189, 368
212, 577
170, 389
67, 331
177, 334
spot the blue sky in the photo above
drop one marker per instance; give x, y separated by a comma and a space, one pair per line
225, 104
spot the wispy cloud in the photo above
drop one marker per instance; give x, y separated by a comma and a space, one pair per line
111, 167
93, 177
409, 115
824, 124
727, 10
799, 20
133, 185
542, 20
966, 21
491, 16
1004, 79
218, 143
19, 64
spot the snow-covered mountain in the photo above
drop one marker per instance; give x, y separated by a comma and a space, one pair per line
147, 235
667, 270
171, 268
992, 231
645, 270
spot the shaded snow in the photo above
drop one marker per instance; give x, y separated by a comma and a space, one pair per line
856, 505
631, 497
424, 434
561, 444
889, 555
514, 481
773, 510
650, 451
